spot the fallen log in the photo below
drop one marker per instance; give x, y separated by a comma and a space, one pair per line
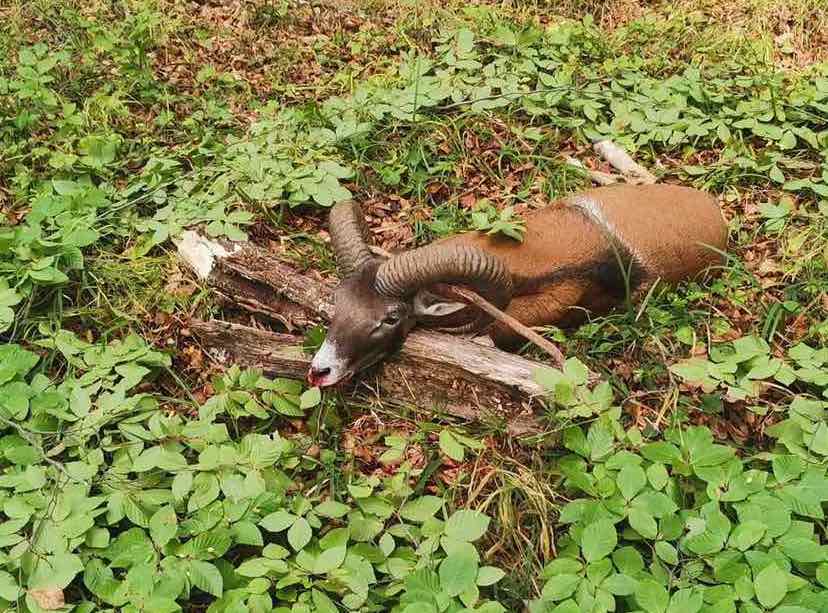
420, 377
431, 370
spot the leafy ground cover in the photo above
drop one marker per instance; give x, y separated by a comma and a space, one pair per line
138, 474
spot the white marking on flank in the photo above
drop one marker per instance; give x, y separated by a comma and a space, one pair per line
593, 209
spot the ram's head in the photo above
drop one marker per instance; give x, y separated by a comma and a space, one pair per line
379, 300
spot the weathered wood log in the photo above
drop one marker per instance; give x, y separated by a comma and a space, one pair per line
420, 377
261, 300
449, 373
278, 355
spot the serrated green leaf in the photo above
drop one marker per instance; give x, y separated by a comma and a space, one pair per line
666, 552
205, 577
332, 508
9, 589
310, 398
254, 567
819, 442
642, 522
560, 587
803, 550
562, 566
163, 525
787, 467
656, 504
620, 584
686, 601
278, 521
182, 484
458, 572
651, 596
246, 533
788, 140
747, 534
421, 509
205, 490
631, 478
55, 571
322, 603
665, 453
489, 575
451, 446
329, 560
209, 545
657, 476
97, 538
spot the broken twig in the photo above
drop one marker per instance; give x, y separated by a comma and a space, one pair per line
530, 335
598, 177
623, 163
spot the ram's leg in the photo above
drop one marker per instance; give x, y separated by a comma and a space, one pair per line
552, 306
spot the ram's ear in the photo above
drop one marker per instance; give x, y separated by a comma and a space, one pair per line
427, 304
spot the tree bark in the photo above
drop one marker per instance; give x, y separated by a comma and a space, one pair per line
431, 371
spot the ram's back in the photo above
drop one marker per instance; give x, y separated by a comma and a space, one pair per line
656, 231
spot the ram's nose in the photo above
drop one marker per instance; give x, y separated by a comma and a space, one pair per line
317, 376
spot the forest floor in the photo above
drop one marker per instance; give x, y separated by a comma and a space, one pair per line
140, 473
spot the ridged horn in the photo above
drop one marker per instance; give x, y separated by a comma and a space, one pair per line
404, 274
349, 233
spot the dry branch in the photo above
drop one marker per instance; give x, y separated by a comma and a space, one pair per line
435, 370
622, 162
530, 335
598, 177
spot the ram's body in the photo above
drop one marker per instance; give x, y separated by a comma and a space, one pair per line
588, 252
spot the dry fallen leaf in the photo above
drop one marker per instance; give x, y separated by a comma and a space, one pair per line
179, 285
468, 201
49, 599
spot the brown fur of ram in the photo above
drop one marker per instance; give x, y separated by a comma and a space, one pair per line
591, 252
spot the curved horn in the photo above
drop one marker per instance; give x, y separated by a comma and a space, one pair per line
408, 272
348, 231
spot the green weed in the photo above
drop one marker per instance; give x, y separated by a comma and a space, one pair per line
122, 124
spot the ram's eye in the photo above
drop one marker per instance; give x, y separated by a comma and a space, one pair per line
392, 318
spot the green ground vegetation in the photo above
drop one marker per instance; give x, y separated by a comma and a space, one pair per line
138, 475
